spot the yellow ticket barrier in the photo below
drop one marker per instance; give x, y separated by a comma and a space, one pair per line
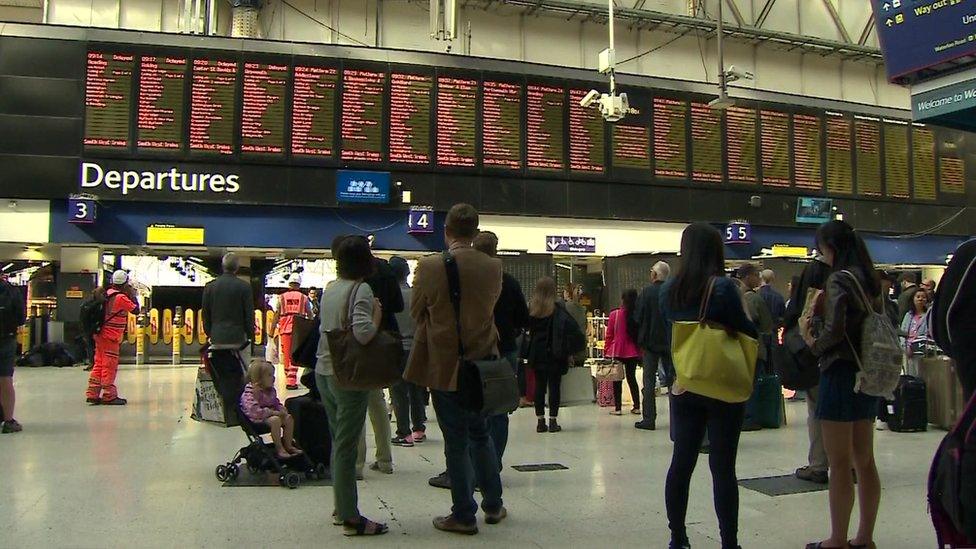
271, 329
141, 340
189, 322
167, 326
201, 335
23, 337
130, 329
154, 326
258, 327
178, 323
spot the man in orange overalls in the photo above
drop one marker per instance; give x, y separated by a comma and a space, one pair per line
120, 300
290, 304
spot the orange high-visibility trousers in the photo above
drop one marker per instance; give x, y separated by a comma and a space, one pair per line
291, 370
101, 382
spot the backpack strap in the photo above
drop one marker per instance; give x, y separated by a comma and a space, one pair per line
860, 290
454, 289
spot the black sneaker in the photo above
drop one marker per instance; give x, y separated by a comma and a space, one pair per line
645, 425
749, 427
11, 426
406, 442
117, 401
441, 481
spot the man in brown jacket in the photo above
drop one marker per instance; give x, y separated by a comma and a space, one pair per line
434, 363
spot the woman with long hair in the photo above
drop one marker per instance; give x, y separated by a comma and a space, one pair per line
915, 329
546, 322
621, 344
702, 267
846, 416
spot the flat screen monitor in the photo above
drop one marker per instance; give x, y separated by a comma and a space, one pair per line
813, 210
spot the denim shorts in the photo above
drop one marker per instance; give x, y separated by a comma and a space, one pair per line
8, 355
838, 401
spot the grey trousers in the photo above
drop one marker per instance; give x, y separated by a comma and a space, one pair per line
379, 416
817, 458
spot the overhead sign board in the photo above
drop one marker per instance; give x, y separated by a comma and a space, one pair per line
571, 244
738, 232
168, 234
359, 187
813, 210
82, 211
420, 220
919, 34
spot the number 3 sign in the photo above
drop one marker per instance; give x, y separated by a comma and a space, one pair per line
421, 220
81, 211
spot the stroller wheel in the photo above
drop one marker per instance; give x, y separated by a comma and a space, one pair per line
292, 479
222, 473
233, 471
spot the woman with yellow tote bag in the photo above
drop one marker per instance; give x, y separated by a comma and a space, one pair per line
714, 347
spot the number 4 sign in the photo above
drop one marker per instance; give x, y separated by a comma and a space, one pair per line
420, 220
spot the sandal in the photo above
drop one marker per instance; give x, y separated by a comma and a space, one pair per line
286, 455
869, 545
364, 527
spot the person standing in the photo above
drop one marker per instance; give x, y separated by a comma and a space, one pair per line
434, 363
13, 314
703, 263
909, 285
763, 319
409, 400
915, 331
652, 337
292, 303
773, 299
120, 300
549, 331
890, 305
952, 325
346, 408
314, 297
621, 344
846, 415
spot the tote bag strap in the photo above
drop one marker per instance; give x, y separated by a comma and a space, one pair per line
706, 299
348, 307
454, 289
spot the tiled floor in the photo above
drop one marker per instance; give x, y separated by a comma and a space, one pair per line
142, 476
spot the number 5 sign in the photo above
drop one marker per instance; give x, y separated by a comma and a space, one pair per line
81, 211
738, 232
420, 220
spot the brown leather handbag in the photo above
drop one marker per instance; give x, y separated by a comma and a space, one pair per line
363, 367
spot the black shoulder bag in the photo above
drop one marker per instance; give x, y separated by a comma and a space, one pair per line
487, 386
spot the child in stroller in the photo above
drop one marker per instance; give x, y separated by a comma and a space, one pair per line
260, 404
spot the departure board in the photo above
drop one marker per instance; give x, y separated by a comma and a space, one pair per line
457, 106
923, 163
410, 118
212, 106
108, 99
896, 160
263, 116
160, 116
867, 141
706, 144
952, 175
775, 148
807, 157
670, 150
840, 164
362, 115
501, 133
587, 143
313, 111
743, 146
544, 123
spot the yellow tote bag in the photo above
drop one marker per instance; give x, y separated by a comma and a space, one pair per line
710, 362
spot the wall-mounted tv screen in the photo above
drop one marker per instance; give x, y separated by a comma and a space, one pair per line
813, 210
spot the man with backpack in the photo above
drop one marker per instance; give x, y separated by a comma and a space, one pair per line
12, 315
119, 300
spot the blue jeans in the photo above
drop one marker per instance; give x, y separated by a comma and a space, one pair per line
470, 456
498, 425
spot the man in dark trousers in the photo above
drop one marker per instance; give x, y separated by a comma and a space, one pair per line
228, 321
13, 314
774, 300
652, 337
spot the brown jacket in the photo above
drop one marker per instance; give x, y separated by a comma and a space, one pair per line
434, 359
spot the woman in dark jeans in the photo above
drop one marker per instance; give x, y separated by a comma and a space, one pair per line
621, 344
549, 368
703, 259
846, 416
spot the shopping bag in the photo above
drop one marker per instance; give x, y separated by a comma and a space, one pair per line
207, 403
576, 388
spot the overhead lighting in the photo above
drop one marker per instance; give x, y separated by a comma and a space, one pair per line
6, 267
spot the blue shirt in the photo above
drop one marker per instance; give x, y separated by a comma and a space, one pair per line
725, 308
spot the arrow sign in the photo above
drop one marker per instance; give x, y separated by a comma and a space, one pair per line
889, 22
571, 244
887, 6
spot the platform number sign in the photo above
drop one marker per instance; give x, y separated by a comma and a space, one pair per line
738, 232
421, 220
81, 211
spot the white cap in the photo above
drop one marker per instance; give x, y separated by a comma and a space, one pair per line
120, 277
295, 278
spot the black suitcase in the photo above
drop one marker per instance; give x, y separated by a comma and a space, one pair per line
311, 428
908, 413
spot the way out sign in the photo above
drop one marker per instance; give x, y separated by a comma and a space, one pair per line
420, 220
571, 244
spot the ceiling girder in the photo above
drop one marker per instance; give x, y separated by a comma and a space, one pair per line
838, 22
868, 28
764, 13
736, 14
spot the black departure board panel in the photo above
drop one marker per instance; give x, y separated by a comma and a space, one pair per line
807, 154
544, 123
840, 163
313, 122
775, 148
161, 103
670, 138
410, 96
896, 160
867, 140
743, 145
706, 143
923, 163
457, 109
263, 116
108, 99
587, 143
362, 115
212, 106
502, 131
952, 168
631, 146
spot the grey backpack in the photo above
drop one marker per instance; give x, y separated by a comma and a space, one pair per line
881, 356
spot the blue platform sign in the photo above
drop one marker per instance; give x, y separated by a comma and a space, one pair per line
358, 187
919, 34
571, 244
82, 211
420, 220
738, 232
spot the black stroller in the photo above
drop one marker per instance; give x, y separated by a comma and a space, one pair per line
261, 456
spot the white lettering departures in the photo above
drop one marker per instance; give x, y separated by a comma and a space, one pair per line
93, 175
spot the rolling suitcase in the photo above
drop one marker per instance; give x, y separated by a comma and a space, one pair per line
943, 391
908, 413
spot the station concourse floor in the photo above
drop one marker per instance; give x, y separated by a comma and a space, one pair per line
143, 476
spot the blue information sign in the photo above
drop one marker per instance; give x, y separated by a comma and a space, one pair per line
572, 244
360, 187
738, 232
420, 220
918, 34
82, 211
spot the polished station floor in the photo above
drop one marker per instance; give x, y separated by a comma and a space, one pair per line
143, 476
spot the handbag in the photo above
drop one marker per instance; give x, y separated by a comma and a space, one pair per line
710, 361
488, 386
609, 370
363, 367
796, 366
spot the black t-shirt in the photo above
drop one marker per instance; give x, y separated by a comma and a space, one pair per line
511, 314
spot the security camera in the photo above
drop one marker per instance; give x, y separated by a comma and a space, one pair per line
589, 99
732, 74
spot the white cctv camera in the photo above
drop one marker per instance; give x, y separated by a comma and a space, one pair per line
590, 99
732, 74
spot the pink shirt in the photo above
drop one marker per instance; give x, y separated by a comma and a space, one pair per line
259, 404
618, 342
